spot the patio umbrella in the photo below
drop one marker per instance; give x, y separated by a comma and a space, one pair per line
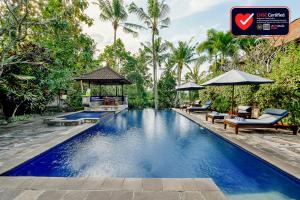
189, 86
236, 77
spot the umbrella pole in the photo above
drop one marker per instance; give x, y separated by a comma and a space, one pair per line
232, 99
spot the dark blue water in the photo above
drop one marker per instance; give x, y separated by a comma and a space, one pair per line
162, 144
84, 114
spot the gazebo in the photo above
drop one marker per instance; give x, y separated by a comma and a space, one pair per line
103, 77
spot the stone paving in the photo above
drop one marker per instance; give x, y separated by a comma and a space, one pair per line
24, 137
40, 188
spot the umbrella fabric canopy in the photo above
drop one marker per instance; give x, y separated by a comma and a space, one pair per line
189, 86
236, 77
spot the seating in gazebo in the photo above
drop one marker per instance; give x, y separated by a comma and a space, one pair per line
104, 77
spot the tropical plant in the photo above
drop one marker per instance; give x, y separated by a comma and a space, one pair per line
182, 56
166, 90
194, 74
219, 46
115, 12
155, 18
161, 49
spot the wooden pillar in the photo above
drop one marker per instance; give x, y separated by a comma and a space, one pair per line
116, 90
123, 94
81, 85
100, 90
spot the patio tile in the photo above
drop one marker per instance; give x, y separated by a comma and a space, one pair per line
133, 184
8, 194
75, 195
172, 184
58, 183
156, 196
121, 195
190, 185
12, 182
112, 184
192, 196
206, 185
92, 184
29, 195
152, 184
99, 195
215, 195
51, 195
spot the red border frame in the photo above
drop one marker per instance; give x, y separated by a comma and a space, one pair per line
259, 36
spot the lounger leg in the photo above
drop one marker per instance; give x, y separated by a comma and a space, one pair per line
225, 125
213, 120
295, 130
236, 128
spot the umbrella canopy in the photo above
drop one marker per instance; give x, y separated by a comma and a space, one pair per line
189, 86
236, 77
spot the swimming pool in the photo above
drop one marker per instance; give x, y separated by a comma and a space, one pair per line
159, 144
84, 114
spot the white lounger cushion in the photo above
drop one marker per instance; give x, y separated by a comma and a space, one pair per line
264, 119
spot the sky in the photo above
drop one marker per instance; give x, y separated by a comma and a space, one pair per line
189, 19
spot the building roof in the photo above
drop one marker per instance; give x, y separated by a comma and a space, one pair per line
103, 76
294, 34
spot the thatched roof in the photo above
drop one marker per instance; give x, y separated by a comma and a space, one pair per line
103, 76
294, 34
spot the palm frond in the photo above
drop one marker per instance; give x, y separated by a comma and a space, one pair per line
128, 30
165, 22
135, 26
133, 8
23, 77
164, 10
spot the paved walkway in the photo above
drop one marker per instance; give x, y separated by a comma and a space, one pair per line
23, 137
41, 188
278, 147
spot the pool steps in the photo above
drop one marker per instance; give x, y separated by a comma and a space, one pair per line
57, 121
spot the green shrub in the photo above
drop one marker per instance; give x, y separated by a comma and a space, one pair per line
221, 104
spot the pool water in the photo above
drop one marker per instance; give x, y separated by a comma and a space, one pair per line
84, 114
163, 144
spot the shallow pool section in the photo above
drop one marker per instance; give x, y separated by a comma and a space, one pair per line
84, 114
162, 144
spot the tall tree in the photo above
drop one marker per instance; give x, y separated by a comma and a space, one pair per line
155, 18
16, 20
219, 46
182, 56
161, 49
194, 74
115, 12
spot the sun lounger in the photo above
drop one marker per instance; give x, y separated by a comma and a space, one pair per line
205, 107
271, 118
216, 115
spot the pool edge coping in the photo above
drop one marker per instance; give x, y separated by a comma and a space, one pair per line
284, 167
63, 136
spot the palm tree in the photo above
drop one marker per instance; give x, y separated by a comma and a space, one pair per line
161, 49
182, 56
194, 73
219, 46
114, 11
154, 18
